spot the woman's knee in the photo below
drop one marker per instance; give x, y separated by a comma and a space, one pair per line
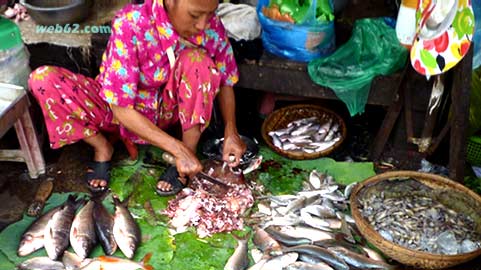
41, 77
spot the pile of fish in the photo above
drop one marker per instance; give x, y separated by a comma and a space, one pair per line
60, 226
211, 208
308, 230
408, 213
307, 135
70, 261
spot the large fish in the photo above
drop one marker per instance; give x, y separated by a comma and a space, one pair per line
325, 255
82, 232
73, 262
32, 238
126, 231
40, 263
56, 238
104, 225
239, 260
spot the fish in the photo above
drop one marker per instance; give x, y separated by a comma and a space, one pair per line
73, 262
287, 239
266, 243
281, 261
104, 225
33, 237
56, 235
126, 231
307, 266
239, 260
82, 232
322, 253
358, 261
41, 263
307, 232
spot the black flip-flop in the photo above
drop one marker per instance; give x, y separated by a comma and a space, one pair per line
170, 176
98, 171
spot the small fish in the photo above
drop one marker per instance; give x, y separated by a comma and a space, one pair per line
56, 238
33, 237
324, 254
307, 266
41, 263
239, 260
348, 189
126, 231
104, 225
315, 179
307, 232
303, 121
320, 211
287, 239
82, 232
266, 243
280, 261
357, 260
73, 262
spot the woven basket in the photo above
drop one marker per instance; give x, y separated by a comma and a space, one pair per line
402, 254
280, 118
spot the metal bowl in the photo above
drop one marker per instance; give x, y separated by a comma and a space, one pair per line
50, 12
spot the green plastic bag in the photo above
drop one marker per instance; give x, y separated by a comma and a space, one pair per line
372, 50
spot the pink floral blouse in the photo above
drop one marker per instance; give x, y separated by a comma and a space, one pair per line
135, 65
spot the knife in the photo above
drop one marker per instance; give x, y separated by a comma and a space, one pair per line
169, 158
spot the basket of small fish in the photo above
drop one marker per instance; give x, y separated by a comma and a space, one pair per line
303, 131
419, 219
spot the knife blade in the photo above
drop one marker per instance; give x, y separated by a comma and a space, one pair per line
169, 158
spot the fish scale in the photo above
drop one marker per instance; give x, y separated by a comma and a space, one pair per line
126, 231
82, 233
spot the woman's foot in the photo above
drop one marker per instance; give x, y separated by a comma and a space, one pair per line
170, 182
98, 171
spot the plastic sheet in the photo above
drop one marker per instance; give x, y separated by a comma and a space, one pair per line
372, 50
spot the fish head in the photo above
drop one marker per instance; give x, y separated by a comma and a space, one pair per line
29, 244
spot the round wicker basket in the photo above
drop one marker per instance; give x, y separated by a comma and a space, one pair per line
402, 254
280, 118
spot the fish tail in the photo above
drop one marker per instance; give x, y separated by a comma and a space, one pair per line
242, 238
146, 260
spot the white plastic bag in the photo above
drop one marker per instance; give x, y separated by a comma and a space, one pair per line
240, 21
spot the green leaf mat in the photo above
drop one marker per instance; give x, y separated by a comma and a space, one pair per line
136, 181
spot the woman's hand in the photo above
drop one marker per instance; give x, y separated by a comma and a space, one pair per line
188, 165
233, 147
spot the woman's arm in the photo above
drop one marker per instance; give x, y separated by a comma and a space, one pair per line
186, 162
233, 145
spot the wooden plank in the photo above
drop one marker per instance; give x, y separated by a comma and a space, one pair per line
286, 77
460, 104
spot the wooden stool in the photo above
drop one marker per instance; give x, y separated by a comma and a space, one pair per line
14, 112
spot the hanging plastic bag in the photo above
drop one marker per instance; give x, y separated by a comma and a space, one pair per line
372, 50
303, 42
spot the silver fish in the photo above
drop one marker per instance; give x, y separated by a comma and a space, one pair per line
287, 239
303, 121
239, 259
280, 261
357, 260
306, 232
32, 238
266, 243
56, 238
82, 232
104, 225
327, 256
126, 231
41, 263
307, 266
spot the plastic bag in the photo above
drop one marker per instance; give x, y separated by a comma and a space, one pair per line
240, 21
372, 50
299, 42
